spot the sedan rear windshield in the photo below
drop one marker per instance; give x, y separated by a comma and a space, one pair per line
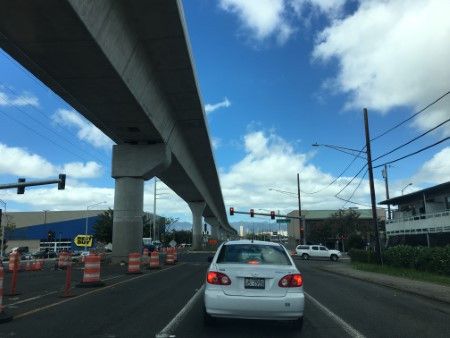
253, 254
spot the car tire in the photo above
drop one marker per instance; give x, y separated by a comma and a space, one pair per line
207, 319
334, 258
305, 256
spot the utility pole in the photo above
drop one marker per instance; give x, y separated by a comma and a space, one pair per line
154, 211
372, 189
303, 223
386, 183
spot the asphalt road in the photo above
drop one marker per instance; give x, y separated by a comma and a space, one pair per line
142, 305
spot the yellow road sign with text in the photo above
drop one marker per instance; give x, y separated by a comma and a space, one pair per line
83, 240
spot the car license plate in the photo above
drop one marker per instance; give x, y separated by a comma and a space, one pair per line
254, 283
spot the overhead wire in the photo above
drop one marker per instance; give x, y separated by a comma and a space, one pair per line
338, 177
414, 153
412, 140
356, 188
411, 117
52, 130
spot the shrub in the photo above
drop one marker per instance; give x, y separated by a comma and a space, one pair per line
362, 256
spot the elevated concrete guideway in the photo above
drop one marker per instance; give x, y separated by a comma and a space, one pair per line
127, 67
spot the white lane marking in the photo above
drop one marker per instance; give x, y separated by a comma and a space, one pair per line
352, 332
173, 324
32, 298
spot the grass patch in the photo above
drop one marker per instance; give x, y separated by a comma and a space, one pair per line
404, 272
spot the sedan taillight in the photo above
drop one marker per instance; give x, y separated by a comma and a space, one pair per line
291, 281
217, 278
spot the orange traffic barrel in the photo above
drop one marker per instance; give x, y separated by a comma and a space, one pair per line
134, 263
170, 258
154, 260
63, 260
13, 263
91, 274
4, 317
175, 255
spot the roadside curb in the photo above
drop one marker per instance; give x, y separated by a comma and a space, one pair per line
418, 288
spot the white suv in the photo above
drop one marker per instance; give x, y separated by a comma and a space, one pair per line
317, 251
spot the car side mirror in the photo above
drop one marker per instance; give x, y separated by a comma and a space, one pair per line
210, 258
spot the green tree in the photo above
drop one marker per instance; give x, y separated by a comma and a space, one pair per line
345, 222
9, 225
103, 227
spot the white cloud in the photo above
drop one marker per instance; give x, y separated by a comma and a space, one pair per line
19, 162
436, 170
263, 18
390, 54
216, 142
332, 8
18, 101
272, 162
89, 169
86, 130
209, 108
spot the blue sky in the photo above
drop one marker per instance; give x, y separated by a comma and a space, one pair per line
281, 75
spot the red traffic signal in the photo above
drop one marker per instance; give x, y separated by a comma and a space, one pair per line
272, 215
252, 213
231, 211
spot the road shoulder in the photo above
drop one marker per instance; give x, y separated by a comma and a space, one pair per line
428, 290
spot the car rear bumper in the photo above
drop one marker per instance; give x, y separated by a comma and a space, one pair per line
289, 307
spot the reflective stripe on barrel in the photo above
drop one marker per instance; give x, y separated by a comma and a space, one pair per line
154, 260
134, 262
91, 269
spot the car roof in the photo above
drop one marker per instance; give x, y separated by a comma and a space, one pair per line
248, 241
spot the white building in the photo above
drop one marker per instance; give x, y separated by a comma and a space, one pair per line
422, 217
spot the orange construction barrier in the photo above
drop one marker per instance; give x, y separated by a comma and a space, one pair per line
13, 266
63, 260
68, 267
134, 263
91, 275
170, 258
154, 260
4, 317
13, 261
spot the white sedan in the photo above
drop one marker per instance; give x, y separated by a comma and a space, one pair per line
253, 280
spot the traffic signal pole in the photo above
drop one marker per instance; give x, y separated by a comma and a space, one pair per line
372, 190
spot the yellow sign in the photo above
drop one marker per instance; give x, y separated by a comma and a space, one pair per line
83, 240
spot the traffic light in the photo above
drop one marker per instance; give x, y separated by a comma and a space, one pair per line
20, 190
272, 215
252, 213
62, 182
51, 236
231, 211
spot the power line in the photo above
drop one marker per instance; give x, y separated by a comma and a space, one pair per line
49, 129
412, 140
338, 177
357, 187
42, 135
411, 117
414, 153
348, 201
348, 183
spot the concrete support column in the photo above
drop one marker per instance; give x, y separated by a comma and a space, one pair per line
131, 166
197, 211
128, 211
214, 231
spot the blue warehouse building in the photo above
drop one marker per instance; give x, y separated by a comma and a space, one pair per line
39, 230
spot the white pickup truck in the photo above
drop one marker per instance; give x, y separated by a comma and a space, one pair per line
317, 251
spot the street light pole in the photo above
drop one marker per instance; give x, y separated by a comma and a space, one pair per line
3, 227
406, 186
86, 218
372, 189
154, 211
